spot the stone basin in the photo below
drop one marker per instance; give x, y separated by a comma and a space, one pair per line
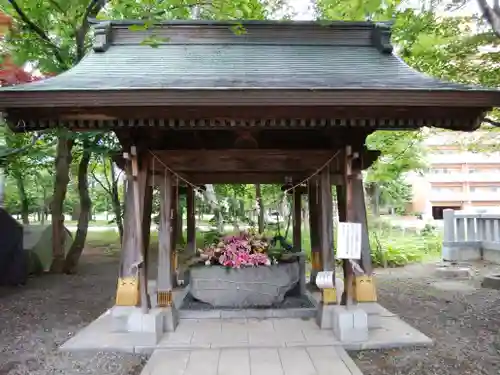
261, 286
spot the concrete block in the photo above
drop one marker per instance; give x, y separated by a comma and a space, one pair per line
170, 319
134, 321
454, 272
491, 282
119, 317
324, 316
120, 311
151, 323
350, 324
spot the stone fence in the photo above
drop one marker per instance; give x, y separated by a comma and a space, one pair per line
471, 236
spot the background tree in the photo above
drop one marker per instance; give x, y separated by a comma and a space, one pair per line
54, 44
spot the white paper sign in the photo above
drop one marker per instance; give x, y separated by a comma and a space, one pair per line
349, 241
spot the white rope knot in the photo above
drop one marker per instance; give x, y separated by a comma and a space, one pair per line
356, 268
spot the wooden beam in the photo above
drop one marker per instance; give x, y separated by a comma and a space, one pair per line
241, 161
200, 178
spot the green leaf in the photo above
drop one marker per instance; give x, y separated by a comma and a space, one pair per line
138, 27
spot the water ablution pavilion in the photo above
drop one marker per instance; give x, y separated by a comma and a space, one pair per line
276, 102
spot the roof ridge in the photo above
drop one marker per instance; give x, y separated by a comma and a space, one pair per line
366, 33
326, 23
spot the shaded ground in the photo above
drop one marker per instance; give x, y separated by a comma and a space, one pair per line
464, 321
35, 320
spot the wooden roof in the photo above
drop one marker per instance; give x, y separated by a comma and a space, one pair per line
340, 68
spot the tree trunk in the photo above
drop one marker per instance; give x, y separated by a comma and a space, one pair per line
85, 208
43, 209
62, 167
491, 14
23, 199
258, 197
115, 201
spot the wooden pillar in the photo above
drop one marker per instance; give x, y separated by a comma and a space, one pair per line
314, 229
175, 233
146, 224
329, 295
297, 236
342, 209
165, 286
359, 288
191, 228
348, 212
191, 221
364, 285
326, 236
132, 282
361, 217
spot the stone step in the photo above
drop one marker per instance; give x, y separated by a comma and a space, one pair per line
324, 360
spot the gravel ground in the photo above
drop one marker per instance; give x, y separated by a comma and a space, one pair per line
35, 320
462, 318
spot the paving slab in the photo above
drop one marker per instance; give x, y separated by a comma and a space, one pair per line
252, 361
391, 332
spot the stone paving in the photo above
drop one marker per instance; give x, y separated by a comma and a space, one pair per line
250, 346
231, 333
325, 360
386, 330
262, 347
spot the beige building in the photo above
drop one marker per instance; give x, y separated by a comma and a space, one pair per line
458, 177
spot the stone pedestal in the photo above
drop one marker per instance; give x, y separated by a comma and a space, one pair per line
244, 287
156, 322
324, 317
350, 324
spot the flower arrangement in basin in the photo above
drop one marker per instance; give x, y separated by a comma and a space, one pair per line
245, 249
244, 270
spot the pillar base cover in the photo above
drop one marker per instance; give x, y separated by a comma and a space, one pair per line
127, 292
329, 296
364, 289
